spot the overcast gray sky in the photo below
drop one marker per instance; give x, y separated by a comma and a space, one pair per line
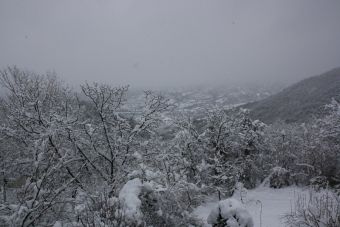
173, 42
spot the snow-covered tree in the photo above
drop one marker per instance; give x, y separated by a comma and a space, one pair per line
39, 111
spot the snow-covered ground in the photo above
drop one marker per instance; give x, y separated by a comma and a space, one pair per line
274, 204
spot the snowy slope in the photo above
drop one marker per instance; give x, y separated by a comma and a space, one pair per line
275, 203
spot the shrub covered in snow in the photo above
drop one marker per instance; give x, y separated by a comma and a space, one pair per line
319, 182
320, 209
147, 204
230, 213
280, 177
101, 209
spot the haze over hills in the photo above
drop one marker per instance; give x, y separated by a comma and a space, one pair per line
299, 102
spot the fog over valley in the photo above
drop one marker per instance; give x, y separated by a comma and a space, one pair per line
172, 43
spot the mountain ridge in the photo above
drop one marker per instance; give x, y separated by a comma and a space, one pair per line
299, 102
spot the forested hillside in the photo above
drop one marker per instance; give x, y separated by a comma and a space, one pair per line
300, 102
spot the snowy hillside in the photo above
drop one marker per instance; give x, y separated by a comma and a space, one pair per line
300, 102
146, 159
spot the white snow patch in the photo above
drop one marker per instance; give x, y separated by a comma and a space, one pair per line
129, 198
57, 224
266, 205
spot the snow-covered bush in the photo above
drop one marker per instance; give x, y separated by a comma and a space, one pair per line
320, 209
279, 177
230, 213
149, 204
100, 210
307, 150
225, 148
319, 182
